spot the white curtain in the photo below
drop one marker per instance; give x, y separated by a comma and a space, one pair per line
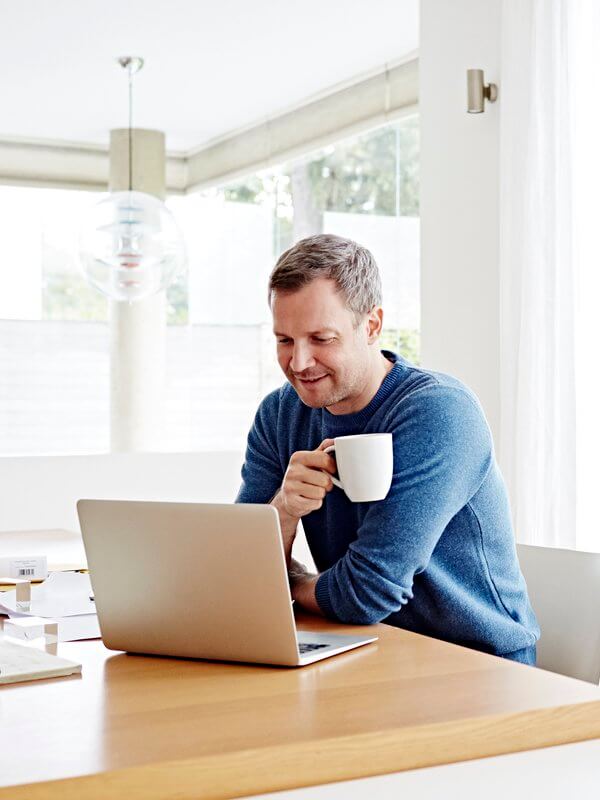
549, 286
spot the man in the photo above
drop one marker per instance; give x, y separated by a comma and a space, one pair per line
437, 556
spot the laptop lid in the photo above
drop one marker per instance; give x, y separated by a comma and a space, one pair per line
195, 580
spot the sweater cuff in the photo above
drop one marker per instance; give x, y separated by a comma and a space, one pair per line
322, 596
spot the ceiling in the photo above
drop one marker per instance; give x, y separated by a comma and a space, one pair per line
211, 68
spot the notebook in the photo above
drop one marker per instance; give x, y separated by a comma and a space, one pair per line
21, 663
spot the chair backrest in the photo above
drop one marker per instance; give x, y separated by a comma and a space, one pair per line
564, 589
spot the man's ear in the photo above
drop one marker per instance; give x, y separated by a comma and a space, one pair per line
374, 324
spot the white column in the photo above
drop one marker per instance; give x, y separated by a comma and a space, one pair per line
137, 331
460, 308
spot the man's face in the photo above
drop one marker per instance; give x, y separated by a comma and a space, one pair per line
323, 353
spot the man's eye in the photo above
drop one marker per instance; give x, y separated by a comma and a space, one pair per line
283, 341
323, 340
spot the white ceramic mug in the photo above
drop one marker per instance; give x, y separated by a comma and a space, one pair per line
365, 463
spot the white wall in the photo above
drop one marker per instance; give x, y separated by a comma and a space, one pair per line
41, 491
459, 197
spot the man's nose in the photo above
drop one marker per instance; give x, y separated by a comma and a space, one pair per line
302, 358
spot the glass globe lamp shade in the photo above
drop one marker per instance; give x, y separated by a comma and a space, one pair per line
130, 246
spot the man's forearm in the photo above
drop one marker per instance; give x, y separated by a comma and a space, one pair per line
288, 525
302, 583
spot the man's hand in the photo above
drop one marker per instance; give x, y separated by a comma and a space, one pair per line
305, 484
307, 481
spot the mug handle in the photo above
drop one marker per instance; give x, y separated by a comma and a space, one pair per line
336, 481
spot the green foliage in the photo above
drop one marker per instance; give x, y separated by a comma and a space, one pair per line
250, 191
373, 174
404, 341
377, 173
177, 302
68, 296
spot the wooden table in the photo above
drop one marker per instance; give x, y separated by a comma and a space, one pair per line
145, 727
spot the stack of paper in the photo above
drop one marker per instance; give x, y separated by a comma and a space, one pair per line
20, 663
63, 597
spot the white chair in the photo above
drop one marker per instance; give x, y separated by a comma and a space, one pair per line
564, 589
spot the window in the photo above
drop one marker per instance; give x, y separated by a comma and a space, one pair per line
54, 333
53, 329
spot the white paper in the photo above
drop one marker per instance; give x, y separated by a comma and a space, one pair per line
62, 594
24, 567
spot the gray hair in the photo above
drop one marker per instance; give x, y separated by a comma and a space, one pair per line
351, 266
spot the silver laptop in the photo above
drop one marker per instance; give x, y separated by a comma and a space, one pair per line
197, 580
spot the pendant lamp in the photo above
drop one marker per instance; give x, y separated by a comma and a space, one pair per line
130, 246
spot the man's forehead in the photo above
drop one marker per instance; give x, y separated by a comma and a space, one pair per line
308, 312
319, 331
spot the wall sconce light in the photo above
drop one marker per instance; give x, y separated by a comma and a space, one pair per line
478, 91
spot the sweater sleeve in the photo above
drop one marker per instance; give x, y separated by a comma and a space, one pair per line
442, 453
262, 474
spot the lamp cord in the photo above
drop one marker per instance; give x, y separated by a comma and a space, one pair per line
130, 72
132, 64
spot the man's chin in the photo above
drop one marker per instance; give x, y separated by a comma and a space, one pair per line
312, 402
312, 399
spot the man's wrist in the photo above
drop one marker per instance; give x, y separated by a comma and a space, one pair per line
288, 523
303, 592
297, 572
296, 569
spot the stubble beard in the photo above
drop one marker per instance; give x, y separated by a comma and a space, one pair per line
350, 387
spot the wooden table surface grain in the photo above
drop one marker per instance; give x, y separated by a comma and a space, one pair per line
147, 727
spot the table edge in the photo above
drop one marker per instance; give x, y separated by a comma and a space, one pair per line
318, 761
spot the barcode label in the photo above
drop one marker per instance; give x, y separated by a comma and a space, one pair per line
28, 571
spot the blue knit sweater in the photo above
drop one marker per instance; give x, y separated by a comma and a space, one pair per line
437, 556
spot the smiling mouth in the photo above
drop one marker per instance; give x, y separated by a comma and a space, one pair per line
310, 381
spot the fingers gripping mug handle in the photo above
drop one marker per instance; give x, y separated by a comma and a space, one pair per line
336, 481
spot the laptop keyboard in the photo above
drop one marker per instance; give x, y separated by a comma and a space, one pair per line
306, 647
